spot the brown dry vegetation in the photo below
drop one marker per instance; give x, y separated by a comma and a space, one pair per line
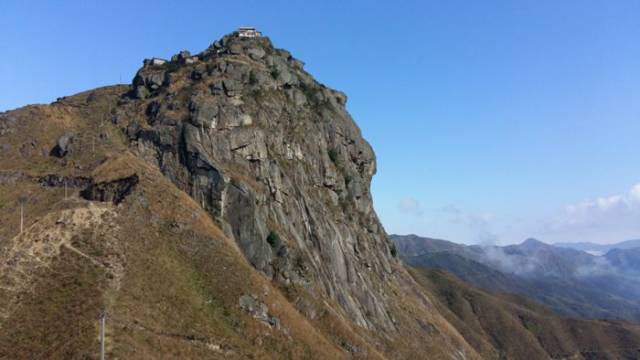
511, 327
164, 272
178, 296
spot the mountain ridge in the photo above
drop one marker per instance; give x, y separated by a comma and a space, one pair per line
600, 248
569, 281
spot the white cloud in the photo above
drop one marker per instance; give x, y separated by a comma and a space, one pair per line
602, 219
604, 209
635, 193
410, 206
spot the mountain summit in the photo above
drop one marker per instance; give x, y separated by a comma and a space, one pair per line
532, 244
218, 207
272, 156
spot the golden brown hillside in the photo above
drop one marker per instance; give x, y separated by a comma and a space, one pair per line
218, 208
503, 326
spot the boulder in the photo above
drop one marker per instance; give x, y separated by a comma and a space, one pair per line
199, 72
217, 88
152, 79
256, 53
141, 92
63, 145
232, 87
298, 98
258, 310
283, 75
237, 72
235, 49
191, 60
181, 56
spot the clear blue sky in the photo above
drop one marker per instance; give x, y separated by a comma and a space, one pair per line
492, 120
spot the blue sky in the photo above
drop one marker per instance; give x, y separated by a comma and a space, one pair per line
492, 121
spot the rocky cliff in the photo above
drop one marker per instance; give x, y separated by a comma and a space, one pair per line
275, 158
219, 206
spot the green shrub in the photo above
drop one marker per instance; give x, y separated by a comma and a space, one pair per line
172, 66
333, 155
274, 240
253, 80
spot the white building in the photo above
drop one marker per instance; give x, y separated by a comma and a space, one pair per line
249, 32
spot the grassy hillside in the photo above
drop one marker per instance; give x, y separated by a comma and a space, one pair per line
165, 274
511, 327
170, 281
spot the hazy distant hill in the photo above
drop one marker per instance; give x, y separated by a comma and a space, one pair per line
600, 248
569, 281
627, 259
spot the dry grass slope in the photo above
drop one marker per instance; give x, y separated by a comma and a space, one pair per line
168, 278
510, 327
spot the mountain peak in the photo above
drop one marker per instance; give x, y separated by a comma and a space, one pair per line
242, 120
240, 139
532, 243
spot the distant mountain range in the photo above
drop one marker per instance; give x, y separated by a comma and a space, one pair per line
570, 281
599, 249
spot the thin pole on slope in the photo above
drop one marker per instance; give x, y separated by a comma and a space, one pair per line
22, 200
103, 320
21, 216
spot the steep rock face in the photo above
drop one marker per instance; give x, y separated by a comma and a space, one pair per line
271, 154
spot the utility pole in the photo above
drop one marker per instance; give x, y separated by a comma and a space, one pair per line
21, 216
65, 189
22, 200
103, 320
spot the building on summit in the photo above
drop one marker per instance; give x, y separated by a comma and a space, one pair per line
249, 32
